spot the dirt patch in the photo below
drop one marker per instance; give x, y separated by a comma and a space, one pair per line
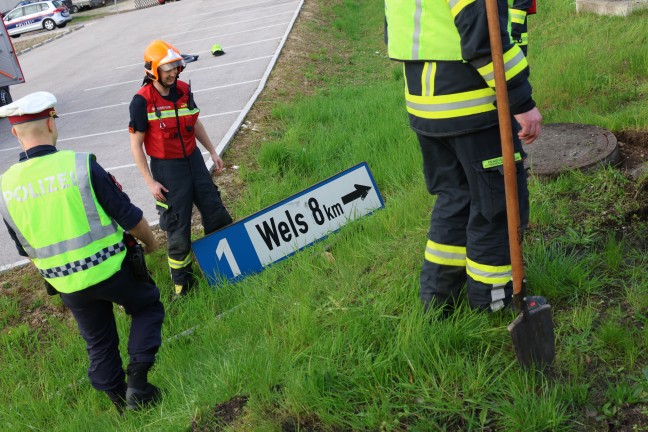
628, 418
303, 424
35, 308
230, 410
223, 415
633, 146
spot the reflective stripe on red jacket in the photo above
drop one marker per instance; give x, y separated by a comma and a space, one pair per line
165, 138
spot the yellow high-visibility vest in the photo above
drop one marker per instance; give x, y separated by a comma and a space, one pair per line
50, 204
422, 30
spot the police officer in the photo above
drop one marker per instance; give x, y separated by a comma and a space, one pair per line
68, 216
164, 123
450, 101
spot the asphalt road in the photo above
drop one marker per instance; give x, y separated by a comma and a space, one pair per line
95, 71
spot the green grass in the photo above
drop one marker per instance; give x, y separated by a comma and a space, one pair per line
334, 338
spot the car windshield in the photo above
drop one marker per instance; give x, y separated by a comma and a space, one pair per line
57, 3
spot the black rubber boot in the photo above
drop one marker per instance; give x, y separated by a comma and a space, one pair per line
118, 397
182, 290
140, 393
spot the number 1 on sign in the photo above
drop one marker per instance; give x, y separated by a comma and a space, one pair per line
224, 248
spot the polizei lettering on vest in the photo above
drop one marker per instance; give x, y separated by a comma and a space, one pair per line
44, 186
273, 233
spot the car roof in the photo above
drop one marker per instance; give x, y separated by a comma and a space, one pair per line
31, 2
26, 4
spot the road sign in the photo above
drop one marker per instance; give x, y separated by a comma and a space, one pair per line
272, 234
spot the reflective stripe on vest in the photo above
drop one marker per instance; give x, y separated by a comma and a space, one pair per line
422, 30
492, 275
152, 116
85, 264
50, 204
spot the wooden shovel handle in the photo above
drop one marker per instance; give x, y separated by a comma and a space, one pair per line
506, 134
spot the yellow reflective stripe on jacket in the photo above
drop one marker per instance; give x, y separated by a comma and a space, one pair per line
449, 106
517, 16
445, 254
152, 116
457, 6
514, 63
175, 264
492, 275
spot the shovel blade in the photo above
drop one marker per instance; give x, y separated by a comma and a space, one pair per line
533, 337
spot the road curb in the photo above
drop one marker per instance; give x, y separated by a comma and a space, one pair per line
58, 36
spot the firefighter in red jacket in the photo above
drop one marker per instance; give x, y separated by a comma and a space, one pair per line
164, 123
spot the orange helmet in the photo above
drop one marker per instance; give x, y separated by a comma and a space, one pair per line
160, 54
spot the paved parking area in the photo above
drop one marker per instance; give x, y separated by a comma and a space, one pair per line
95, 71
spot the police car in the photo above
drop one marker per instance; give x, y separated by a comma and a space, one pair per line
46, 15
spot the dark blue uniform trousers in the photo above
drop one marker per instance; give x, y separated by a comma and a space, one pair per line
188, 182
470, 212
92, 309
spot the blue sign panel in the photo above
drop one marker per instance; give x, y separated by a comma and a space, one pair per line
272, 234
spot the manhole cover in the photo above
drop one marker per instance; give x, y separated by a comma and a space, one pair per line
569, 146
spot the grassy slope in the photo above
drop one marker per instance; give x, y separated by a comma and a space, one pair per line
333, 338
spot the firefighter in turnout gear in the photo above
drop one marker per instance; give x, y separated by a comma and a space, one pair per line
68, 216
164, 124
450, 99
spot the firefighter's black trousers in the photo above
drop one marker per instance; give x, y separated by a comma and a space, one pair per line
188, 182
92, 309
468, 223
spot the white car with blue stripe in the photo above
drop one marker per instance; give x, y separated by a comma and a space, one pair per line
40, 15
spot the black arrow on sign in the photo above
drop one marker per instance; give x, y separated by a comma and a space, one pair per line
360, 192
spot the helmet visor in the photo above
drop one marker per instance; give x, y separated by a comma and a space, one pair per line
170, 66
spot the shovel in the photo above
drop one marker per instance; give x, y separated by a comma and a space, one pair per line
533, 330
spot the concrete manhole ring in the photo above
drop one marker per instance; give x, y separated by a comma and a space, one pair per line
571, 146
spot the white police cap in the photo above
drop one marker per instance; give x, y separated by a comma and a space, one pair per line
34, 106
